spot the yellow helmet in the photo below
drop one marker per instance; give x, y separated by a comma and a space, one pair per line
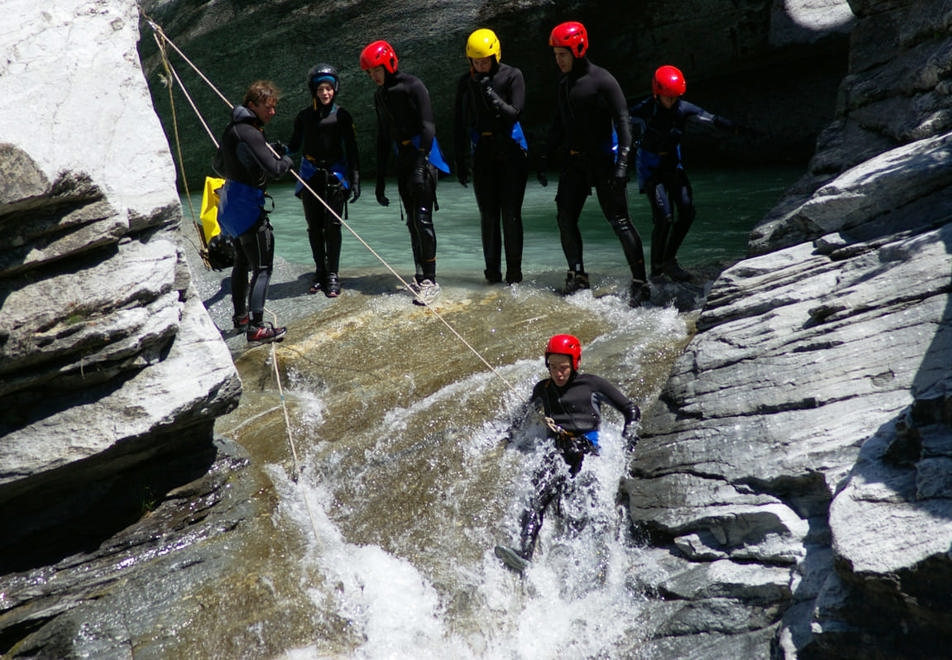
483, 43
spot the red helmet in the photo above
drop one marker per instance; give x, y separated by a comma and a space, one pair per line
668, 81
565, 345
571, 35
379, 53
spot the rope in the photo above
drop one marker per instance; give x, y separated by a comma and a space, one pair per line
178, 148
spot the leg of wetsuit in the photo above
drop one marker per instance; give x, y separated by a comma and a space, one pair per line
614, 203
332, 227
661, 217
547, 482
314, 214
258, 245
239, 280
684, 199
569, 200
515, 172
419, 205
486, 186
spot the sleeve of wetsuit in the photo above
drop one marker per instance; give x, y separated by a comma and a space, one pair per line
460, 137
517, 102
348, 133
619, 109
617, 399
253, 151
297, 135
421, 98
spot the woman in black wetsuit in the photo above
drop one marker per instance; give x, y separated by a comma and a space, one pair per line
592, 129
324, 133
571, 404
661, 176
489, 99
405, 123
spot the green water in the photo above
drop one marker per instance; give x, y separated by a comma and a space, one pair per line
729, 203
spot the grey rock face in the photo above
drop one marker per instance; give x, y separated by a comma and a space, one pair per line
806, 427
108, 359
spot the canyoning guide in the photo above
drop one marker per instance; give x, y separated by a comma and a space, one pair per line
246, 161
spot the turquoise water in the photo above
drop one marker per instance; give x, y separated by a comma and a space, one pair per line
729, 204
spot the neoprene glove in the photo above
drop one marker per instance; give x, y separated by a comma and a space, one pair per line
381, 197
354, 186
280, 148
620, 176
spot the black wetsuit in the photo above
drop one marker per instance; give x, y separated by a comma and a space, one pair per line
661, 174
244, 156
575, 408
327, 140
590, 103
405, 122
486, 110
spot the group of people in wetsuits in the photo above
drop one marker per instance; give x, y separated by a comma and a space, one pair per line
591, 135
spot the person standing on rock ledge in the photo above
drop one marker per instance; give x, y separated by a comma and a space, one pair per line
247, 161
662, 118
592, 130
324, 132
405, 124
490, 97
570, 402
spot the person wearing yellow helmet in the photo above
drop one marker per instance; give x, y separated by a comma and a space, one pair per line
490, 97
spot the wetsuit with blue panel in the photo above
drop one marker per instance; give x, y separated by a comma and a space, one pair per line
405, 124
576, 410
487, 111
246, 161
326, 137
661, 174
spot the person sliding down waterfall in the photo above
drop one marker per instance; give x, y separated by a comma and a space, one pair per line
324, 132
405, 124
592, 130
661, 176
571, 403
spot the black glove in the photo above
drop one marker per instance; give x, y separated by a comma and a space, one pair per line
354, 186
490, 93
620, 176
630, 438
381, 197
280, 148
